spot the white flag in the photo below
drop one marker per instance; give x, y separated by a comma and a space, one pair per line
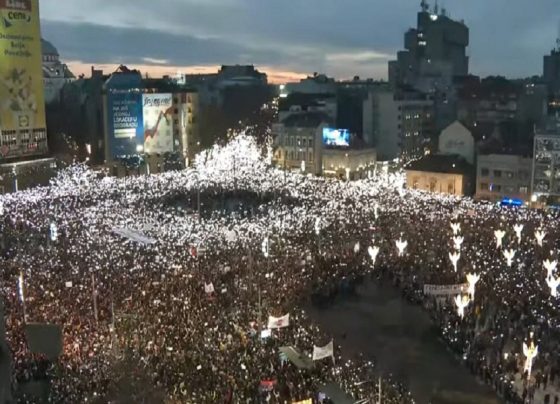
278, 322
323, 352
209, 288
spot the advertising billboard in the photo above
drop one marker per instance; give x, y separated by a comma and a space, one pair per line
22, 106
125, 122
158, 123
336, 137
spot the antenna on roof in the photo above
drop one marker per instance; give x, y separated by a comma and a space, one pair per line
424, 6
443, 10
436, 8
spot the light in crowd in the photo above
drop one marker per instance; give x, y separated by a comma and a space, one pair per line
373, 251
530, 351
53, 232
318, 226
456, 227
401, 246
518, 228
357, 247
539, 235
264, 247
472, 280
454, 257
499, 234
458, 241
553, 284
462, 302
509, 255
550, 267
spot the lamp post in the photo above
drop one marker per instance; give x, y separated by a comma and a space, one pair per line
530, 351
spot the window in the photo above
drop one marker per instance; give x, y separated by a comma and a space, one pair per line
523, 190
509, 174
433, 184
310, 142
484, 172
496, 188
484, 186
498, 173
451, 188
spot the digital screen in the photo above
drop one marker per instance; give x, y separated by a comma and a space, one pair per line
124, 122
336, 137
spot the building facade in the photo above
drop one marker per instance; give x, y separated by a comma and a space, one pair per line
55, 73
545, 184
153, 121
299, 142
397, 126
350, 164
456, 139
442, 174
435, 51
23, 132
503, 176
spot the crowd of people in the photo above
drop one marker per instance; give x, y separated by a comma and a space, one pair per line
177, 312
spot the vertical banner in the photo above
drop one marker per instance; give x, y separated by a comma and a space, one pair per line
158, 123
22, 105
125, 122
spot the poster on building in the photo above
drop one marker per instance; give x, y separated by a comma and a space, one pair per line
22, 105
158, 123
125, 122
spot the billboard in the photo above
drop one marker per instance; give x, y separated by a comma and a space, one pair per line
125, 122
158, 123
336, 137
22, 106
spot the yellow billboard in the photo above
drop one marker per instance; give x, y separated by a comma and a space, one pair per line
22, 106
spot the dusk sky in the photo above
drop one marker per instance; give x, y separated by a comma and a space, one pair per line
288, 39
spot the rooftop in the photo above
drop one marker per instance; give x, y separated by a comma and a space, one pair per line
307, 120
48, 48
441, 163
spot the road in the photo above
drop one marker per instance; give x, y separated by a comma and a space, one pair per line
403, 342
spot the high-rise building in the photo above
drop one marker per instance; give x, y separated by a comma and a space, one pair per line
398, 125
435, 52
22, 105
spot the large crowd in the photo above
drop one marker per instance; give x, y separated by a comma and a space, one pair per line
179, 318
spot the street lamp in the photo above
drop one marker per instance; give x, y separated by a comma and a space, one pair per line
530, 351
499, 234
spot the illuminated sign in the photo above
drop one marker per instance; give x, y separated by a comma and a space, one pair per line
21, 75
125, 122
158, 123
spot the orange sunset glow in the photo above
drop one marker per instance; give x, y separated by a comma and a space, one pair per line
275, 76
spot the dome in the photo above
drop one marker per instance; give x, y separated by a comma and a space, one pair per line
48, 48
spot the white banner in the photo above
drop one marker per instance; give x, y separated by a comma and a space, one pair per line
278, 322
446, 290
134, 235
323, 352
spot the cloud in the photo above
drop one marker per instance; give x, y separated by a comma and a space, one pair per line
298, 35
153, 61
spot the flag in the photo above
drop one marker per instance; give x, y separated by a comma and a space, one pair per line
266, 334
192, 251
267, 385
209, 288
278, 322
323, 352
